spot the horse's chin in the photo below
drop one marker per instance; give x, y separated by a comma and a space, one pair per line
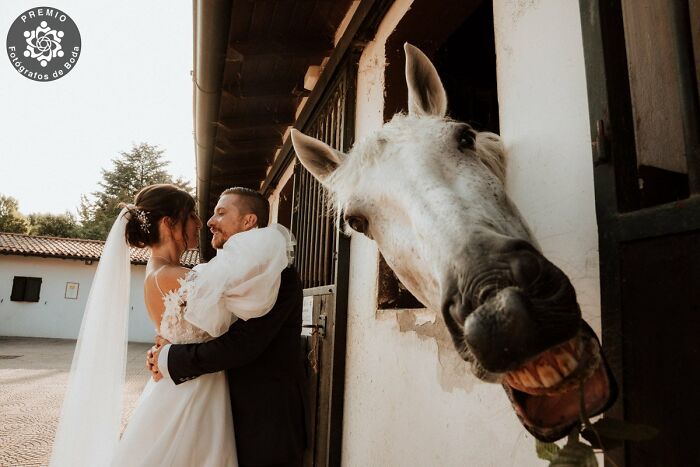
549, 391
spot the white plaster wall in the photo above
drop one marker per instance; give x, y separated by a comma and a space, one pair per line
397, 410
544, 124
54, 315
274, 198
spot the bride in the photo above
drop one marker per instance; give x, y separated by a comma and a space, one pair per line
185, 425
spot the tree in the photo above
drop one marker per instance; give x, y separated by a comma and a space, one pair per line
11, 220
143, 165
54, 225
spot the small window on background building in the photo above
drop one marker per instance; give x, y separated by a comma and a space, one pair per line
25, 289
72, 290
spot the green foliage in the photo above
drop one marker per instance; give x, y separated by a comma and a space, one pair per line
606, 433
546, 451
54, 225
575, 454
143, 165
609, 433
11, 220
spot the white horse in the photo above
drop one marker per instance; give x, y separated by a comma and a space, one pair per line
429, 190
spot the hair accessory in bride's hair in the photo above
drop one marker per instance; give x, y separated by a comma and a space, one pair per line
140, 215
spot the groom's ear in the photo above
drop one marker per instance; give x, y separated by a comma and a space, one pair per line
251, 220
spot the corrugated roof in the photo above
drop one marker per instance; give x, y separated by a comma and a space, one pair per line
74, 248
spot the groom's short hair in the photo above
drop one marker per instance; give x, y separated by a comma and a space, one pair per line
253, 202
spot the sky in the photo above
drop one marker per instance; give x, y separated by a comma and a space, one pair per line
132, 84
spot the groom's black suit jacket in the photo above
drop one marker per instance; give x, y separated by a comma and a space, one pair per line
264, 369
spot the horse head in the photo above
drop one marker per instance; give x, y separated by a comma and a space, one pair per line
430, 191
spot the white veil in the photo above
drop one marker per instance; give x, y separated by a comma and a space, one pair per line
88, 430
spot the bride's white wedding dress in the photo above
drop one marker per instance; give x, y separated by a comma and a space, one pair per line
185, 425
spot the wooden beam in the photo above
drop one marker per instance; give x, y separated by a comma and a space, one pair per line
218, 186
223, 168
233, 146
312, 49
239, 173
257, 122
229, 155
273, 89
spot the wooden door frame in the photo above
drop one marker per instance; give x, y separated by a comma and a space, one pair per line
620, 220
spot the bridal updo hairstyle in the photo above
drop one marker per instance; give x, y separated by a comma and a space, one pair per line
153, 203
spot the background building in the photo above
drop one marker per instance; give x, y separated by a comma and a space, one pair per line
45, 281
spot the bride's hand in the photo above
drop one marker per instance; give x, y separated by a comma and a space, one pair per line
152, 358
161, 341
152, 362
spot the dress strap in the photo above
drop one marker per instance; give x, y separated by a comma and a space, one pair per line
155, 277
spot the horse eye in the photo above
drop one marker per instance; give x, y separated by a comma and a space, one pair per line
465, 137
357, 223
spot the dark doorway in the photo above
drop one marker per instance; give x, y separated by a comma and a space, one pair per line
466, 63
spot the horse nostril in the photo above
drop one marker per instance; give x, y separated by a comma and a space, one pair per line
526, 267
499, 331
524, 261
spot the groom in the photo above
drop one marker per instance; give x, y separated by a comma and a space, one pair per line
260, 356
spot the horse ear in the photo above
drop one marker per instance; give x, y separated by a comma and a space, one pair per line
426, 95
318, 158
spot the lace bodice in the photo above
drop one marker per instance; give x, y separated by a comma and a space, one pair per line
173, 326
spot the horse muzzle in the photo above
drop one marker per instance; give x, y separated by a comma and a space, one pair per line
515, 315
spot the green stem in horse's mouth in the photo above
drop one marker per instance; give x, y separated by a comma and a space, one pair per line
587, 421
582, 405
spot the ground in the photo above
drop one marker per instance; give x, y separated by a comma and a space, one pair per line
33, 378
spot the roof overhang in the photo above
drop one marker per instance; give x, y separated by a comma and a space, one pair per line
250, 63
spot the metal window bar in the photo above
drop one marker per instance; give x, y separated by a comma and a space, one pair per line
312, 222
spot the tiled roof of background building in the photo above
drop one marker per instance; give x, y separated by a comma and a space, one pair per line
74, 248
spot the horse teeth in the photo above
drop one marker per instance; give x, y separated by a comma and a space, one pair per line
528, 380
571, 346
566, 362
548, 375
513, 379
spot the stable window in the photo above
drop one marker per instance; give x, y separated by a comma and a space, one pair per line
25, 289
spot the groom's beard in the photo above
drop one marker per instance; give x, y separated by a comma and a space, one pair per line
218, 239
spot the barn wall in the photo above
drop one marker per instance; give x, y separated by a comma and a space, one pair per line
274, 198
544, 124
408, 399
54, 315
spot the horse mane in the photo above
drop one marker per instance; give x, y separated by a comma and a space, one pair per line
489, 149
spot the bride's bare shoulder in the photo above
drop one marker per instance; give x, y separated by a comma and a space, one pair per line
167, 278
159, 283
